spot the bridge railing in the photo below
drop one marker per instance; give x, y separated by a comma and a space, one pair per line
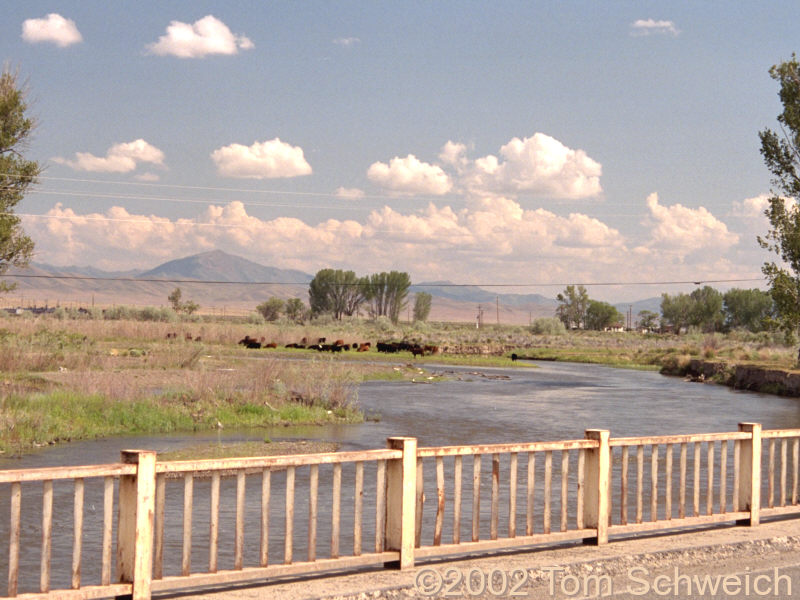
216, 522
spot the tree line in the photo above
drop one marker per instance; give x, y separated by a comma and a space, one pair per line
340, 294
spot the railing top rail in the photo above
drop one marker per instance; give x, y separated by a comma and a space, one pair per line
780, 433
679, 439
257, 462
505, 448
68, 472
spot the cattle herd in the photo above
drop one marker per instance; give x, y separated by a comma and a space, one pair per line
321, 345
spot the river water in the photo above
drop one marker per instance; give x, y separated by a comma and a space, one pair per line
552, 401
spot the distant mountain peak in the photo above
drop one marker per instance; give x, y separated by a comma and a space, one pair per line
216, 265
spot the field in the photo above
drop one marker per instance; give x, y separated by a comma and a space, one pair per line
67, 378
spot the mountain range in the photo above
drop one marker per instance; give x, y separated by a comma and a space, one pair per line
222, 282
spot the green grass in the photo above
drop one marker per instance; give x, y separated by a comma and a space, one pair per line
61, 416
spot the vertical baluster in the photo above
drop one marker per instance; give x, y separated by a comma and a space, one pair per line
108, 524
548, 481
783, 471
335, 510
737, 446
795, 457
47, 534
420, 503
682, 483
238, 554
77, 544
623, 488
213, 525
13, 538
476, 497
723, 476
512, 495
668, 484
313, 493
710, 482
564, 488
495, 495
531, 488
437, 530
639, 482
188, 492
288, 541
158, 528
696, 489
380, 506
581, 487
457, 475
654, 482
265, 491
358, 500
771, 474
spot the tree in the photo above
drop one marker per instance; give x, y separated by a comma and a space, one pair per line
781, 154
675, 310
600, 315
572, 306
648, 320
386, 294
295, 310
706, 309
271, 309
178, 306
336, 292
747, 309
422, 306
16, 173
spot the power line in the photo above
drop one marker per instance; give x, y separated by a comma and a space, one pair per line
425, 285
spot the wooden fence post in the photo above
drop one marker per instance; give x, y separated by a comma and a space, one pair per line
135, 522
598, 485
401, 489
750, 474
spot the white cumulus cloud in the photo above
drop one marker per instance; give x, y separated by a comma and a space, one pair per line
204, 37
120, 158
261, 160
642, 27
410, 175
540, 164
687, 229
53, 28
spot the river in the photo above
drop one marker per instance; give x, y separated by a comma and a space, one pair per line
550, 401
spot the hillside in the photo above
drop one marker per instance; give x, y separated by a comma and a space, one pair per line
240, 284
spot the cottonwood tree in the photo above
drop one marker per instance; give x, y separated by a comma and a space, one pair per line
386, 294
422, 306
747, 309
600, 315
336, 292
572, 305
781, 152
16, 173
271, 309
295, 310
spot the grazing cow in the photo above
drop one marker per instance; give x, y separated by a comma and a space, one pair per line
270, 345
363, 347
321, 340
249, 342
338, 343
417, 350
198, 339
430, 349
188, 337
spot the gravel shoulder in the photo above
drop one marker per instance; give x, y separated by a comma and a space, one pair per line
627, 567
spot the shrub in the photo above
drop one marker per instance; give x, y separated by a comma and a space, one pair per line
548, 326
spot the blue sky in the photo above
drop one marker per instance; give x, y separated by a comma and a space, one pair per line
514, 142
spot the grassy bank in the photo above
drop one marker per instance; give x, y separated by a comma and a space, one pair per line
68, 379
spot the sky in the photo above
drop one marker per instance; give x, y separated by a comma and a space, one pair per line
530, 144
